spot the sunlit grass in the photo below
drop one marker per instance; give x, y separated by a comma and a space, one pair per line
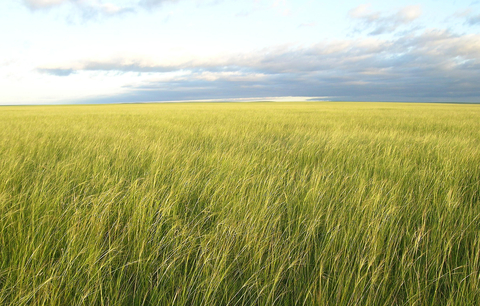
240, 204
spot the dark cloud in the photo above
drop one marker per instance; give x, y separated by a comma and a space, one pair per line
433, 66
380, 23
439, 90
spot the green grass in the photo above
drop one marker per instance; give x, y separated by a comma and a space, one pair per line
240, 204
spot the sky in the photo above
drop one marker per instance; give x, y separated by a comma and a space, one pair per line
106, 51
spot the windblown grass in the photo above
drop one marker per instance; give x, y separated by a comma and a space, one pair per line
240, 204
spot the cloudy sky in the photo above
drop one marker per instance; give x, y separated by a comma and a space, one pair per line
105, 51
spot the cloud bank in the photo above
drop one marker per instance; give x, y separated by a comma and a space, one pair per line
432, 66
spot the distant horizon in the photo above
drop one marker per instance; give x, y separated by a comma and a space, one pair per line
240, 101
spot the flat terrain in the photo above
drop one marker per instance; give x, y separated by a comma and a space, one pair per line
240, 204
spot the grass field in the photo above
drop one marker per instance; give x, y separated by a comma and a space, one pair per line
240, 204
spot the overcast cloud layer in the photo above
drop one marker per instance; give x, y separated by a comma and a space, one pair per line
80, 51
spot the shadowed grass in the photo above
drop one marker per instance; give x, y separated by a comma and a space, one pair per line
240, 204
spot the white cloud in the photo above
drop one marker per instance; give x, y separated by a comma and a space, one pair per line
363, 12
381, 23
39, 4
231, 76
93, 8
409, 13
87, 9
110, 8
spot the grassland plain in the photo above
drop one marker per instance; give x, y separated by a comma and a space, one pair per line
240, 204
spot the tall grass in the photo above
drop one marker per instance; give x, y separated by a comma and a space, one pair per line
240, 204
